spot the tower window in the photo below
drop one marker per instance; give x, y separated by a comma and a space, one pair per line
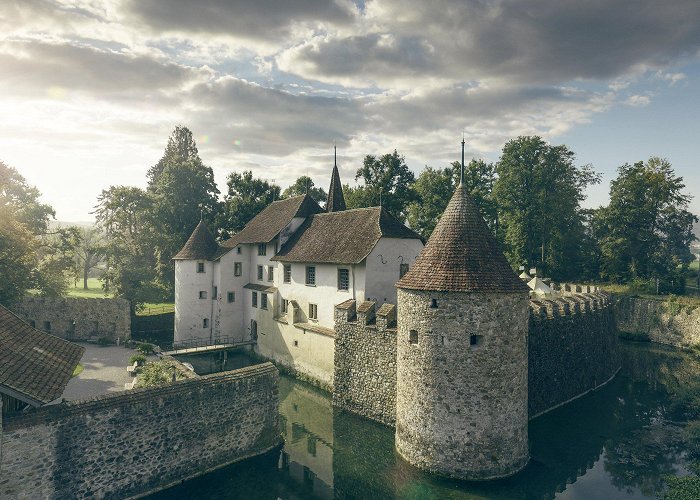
287, 273
202, 294
262, 249
413, 337
200, 267
343, 279
237, 268
433, 303
476, 341
231, 296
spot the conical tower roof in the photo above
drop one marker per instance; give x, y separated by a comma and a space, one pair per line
336, 200
462, 255
200, 246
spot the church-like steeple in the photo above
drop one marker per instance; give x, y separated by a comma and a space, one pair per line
336, 200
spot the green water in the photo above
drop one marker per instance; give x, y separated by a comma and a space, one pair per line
621, 441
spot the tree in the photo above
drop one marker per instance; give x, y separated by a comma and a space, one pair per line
180, 148
646, 230
89, 244
245, 198
304, 185
386, 181
539, 192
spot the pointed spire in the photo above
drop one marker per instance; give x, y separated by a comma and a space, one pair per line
462, 255
336, 200
461, 175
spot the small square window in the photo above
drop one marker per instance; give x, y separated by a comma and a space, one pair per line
255, 299
47, 326
200, 267
202, 294
32, 323
433, 303
287, 273
263, 301
413, 337
313, 311
205, 323
262, 249
270, 273
343, 279
311, 275
260, 273
403, 269
476, 341
296, 343
237, 268
231, 297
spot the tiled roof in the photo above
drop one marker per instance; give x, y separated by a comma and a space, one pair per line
336, 200
260, 288
345, 237
273, 219
462, 255
34, 365
200, 246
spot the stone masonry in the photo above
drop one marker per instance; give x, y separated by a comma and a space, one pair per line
136, 442
74, 318
365, 360
461, 398
664, 322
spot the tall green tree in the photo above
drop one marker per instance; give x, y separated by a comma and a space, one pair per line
304, 185
90, 248
386, 180
646, 230
539, 191
245, 198
181, 148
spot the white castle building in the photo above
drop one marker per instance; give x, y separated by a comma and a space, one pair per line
278, 280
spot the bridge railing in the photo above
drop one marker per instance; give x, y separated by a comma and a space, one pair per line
199, 342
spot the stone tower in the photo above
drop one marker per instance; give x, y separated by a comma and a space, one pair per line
462, 365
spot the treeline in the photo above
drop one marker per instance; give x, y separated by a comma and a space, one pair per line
531, 199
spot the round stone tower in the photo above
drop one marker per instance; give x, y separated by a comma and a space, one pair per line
461, 388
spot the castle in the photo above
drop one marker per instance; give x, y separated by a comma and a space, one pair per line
458, 368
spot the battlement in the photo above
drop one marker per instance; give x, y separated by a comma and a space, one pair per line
366, 314
568, 306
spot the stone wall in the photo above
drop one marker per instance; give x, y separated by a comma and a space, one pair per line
132, 443
74, 318
665, 322
572, 348
365, 360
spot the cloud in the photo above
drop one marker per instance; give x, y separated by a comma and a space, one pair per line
261, 19
533, 42
638, 101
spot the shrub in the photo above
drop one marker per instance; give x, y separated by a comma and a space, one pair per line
157, 373
137, 358
104, 341
144, 348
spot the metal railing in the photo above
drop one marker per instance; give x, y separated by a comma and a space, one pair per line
152, 311
202, 342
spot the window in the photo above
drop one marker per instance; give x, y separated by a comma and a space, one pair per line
263, 301
476, 341
270, 273
311, 275
202, 294
433, 303
200, 267
260, 273
403, 269
47, 326
296, 343
287, 273
255, 299
262, 249
231, 297
276, 247
313, 311
237, 268
343, 279
32, 323
284, 305
238, 250
205, 322
215, 293
413, 337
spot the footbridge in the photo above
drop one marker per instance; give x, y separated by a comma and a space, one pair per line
198, 346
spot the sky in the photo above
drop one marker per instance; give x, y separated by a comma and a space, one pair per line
91, 90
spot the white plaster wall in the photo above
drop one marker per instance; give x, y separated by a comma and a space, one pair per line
190, 310
231, 315
383, 272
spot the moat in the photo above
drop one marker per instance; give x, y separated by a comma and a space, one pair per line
618, 442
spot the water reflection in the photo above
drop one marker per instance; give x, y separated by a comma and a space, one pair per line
618, 442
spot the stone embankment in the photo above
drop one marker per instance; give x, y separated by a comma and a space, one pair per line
665, 322
132, 443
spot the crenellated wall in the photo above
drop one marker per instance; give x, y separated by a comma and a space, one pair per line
572, 350
127, 444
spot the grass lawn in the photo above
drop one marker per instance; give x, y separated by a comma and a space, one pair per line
150, 309
78, 370
94, 290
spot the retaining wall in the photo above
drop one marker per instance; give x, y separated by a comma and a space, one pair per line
131, 443
572, 349
664, 322
74, 318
